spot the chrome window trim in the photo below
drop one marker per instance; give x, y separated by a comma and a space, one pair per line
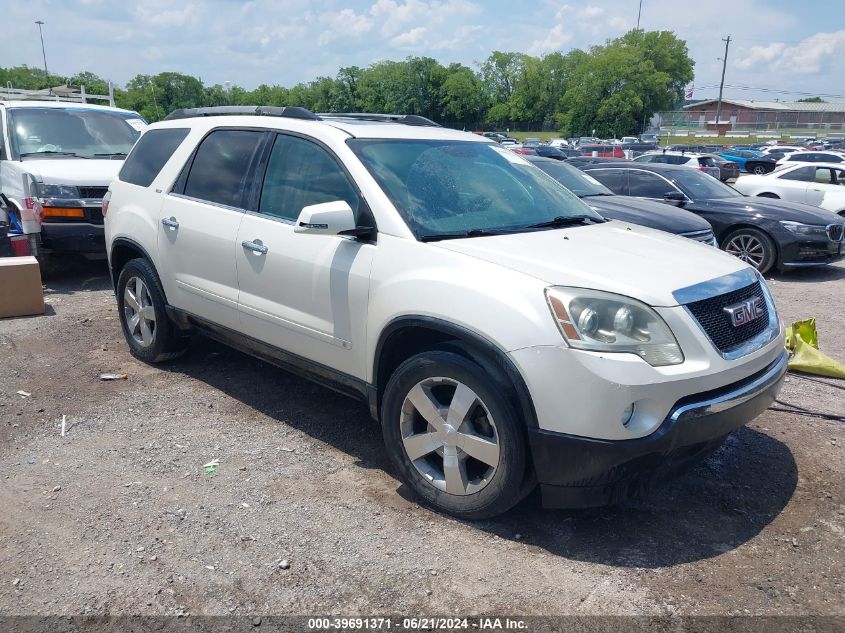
219, 205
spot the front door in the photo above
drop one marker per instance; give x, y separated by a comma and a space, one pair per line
306, 294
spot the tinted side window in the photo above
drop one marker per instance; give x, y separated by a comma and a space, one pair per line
805, 174
829, 158
150, 154
645, 185
706, 161
218, 173
614, 179
301, 173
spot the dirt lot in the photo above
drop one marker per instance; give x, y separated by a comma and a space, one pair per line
120, 517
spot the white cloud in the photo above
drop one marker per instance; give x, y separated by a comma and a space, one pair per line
553, 41
345, 23
411, 38
811, 55
155, 14
397, 15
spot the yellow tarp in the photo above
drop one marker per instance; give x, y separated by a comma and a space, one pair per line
802, 341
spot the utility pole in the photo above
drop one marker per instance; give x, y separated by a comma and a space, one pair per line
43, 53
727, 42
639, 13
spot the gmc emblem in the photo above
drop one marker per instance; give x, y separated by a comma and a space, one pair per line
745, 311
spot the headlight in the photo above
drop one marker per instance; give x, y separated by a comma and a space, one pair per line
57, 191
605, 322
804, 229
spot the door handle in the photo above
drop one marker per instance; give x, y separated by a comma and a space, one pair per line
255, 246
170, 223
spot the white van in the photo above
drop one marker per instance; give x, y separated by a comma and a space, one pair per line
57, 159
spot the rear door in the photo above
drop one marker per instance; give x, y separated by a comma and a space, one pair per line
199, 225
793, 184
304, 293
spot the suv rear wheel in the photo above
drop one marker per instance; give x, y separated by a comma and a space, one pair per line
454, 436
140, 300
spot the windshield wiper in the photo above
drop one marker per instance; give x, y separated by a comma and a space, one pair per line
113, 155
53, 153
593, 195
434, 237
566, 220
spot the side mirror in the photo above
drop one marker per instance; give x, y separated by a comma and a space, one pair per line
328, 218
675, 197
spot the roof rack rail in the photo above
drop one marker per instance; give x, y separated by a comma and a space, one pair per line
70, 94
405, 119
290, 112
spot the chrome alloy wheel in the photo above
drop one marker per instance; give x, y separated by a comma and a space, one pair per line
748, 248
449, 435
139, 312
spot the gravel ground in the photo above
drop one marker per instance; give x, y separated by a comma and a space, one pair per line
304, 515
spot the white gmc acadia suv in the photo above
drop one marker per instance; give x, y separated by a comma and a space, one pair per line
502, 332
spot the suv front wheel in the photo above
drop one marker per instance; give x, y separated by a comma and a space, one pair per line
141, 306
453, 435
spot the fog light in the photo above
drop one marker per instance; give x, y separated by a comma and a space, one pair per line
628, 414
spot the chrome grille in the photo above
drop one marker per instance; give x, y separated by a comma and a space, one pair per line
716, 323
835, 231
93, 192
700, 236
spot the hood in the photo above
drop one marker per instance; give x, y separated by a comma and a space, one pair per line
770, 209
74, 171
614, 256
655, 215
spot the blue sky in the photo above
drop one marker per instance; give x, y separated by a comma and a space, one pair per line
778, 45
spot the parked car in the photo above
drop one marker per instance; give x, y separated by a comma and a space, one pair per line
728, 170
750, 161
531, 142
522, 149
602, 151
702, 162
812, 157
821, 184
547, 151
783, 149
450, 285
559, 142
581, 161
762, 232
602, 200
629, 140
56, 163
636, 149
499, 137
650, 138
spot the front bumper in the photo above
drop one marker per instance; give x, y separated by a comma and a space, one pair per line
579, 472
73, 237
804, 252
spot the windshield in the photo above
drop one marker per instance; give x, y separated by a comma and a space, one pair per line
443, 186
700, 186
574, 179
57, 132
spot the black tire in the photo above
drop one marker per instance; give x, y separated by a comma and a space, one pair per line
768, 195
167, 341
768, 253
759, 170
505, 486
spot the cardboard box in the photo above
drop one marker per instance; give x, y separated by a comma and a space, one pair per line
20, 287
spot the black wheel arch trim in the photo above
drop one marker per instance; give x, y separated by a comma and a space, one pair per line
476, 342
126, 241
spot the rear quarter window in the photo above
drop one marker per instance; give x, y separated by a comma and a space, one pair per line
150, 154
